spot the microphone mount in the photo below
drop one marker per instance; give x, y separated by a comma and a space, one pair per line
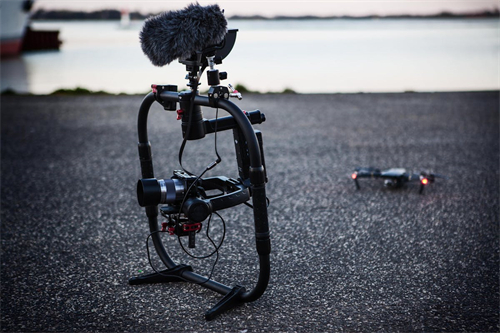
208, 57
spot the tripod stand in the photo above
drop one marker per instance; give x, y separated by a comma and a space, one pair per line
187, 204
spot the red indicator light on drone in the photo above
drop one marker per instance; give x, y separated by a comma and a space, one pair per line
354, 176
424, 181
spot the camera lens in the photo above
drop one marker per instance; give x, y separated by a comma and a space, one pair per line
152, 191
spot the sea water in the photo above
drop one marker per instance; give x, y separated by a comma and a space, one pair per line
307, 56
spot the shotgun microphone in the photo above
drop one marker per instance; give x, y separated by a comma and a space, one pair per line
179, 34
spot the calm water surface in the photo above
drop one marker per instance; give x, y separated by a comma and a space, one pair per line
308, 56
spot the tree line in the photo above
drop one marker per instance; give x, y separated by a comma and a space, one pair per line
113, 14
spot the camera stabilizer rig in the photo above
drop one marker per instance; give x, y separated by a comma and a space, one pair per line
184, 195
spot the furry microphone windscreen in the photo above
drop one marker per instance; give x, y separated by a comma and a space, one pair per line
179, 34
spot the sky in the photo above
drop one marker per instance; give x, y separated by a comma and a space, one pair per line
271, 8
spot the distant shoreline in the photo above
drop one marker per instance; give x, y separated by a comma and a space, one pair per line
112, 14
86, 92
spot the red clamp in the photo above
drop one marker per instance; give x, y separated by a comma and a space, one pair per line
179, 114
188, 227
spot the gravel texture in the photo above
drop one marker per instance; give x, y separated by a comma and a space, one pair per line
377, 259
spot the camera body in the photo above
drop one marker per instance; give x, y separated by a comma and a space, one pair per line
180, 189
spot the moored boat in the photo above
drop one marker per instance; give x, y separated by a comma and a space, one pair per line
14, 17
17, 36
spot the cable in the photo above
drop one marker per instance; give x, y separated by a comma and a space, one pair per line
191, 104
251, 206
188, 130
216, 248
209, 238
209, 167
216, 251
219, 159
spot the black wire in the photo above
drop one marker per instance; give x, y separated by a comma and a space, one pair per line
187, 192
188, 130
216, 251
219, 159
251, 206
209, 167
216, 248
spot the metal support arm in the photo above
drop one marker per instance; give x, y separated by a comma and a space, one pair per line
257, 190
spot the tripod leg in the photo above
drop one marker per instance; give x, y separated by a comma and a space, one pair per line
231, 300
173, 274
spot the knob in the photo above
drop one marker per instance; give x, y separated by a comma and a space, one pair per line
223, 75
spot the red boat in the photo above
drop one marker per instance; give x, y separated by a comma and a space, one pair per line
15, 33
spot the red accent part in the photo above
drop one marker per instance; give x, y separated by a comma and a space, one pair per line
424, 181
153, 86
11, 47
188, 227
171, 231
164, 226
179, 114
354, 176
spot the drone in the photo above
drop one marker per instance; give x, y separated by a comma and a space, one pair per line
395, 177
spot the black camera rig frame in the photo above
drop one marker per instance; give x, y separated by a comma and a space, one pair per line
185, 195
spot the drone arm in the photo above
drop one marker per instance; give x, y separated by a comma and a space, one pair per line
354, 177
364, 173
367, 173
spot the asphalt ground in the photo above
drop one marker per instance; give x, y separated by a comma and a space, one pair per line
373, 259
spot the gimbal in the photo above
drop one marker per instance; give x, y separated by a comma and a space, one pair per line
184, 197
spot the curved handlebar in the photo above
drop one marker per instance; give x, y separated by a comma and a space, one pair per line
238, 115
257, 181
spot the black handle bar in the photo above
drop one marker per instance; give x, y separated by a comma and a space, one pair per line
257, 186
